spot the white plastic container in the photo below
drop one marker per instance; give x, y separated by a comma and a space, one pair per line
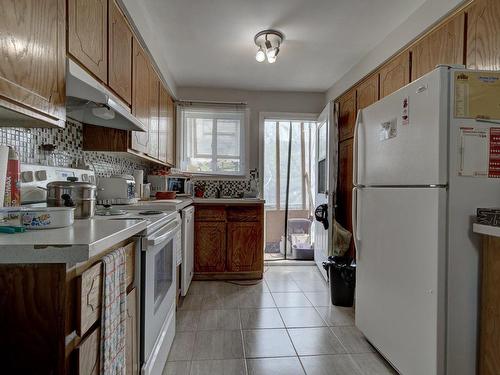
47, 217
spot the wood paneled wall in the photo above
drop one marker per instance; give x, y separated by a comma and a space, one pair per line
470, 36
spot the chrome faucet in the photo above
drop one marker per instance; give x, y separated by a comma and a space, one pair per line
218, 191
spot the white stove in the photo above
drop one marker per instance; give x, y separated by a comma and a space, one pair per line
156, 219
160, 243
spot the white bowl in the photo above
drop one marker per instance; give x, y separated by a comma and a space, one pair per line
47, 217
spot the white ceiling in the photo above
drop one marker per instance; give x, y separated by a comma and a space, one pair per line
209, 43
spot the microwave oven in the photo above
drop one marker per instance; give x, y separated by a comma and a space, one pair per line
181, 185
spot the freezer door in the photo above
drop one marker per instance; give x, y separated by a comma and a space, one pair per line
391, 150
400, 277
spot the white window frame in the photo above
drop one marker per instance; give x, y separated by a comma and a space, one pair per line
211, 114
284, 116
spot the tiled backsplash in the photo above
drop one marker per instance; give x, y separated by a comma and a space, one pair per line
68, 142
227, 187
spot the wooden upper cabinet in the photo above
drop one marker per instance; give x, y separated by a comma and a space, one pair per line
88, 35
367, 92
244, 246
347, 114
171, 132
153, 114
140, 96
394, 74
120, 41
483, 30
209, 246
33, 53
444, 45
163, 124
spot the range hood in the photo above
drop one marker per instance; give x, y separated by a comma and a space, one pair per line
89, 102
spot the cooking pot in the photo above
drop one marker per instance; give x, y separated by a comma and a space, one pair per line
73, 193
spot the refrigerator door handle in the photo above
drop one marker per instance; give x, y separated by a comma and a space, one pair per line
355, 150
355, 236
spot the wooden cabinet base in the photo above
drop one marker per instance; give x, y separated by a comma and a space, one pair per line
489, 342
254, 275
229, 242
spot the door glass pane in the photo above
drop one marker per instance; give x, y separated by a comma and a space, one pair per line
270, 171
284, 133
163, 273
296, 174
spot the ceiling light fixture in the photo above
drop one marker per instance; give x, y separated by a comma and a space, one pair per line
269, 43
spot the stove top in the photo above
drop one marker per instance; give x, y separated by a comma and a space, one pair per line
155, 219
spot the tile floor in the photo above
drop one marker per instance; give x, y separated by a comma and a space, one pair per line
284, 325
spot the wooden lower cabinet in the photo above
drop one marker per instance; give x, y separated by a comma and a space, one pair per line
244, 253
132, 342
210, 246
50, 317
229, 241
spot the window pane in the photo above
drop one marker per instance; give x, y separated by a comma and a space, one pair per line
228, 165
270, 171
200, 165
228, 136
203, 136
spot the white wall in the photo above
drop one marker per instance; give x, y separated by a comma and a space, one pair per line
428, 14
258, 101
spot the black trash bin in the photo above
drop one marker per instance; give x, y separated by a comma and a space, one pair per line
342, 277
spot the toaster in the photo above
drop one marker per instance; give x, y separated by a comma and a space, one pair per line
118, 189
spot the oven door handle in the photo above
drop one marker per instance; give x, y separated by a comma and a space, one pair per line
163, 234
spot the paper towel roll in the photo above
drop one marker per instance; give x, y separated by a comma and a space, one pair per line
4, 158
139, 181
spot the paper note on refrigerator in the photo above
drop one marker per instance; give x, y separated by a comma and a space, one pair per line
473, 152
477, 95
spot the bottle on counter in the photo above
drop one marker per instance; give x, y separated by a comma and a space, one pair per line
12, 196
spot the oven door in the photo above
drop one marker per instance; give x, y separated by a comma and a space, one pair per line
158, 284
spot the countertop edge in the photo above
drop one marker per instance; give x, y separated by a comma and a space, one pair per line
223, 201
487, 230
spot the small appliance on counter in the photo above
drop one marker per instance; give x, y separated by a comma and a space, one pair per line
73, 193
118, 189
180, 184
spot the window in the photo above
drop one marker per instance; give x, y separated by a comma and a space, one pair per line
213, 140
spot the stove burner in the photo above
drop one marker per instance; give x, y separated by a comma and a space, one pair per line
150, 212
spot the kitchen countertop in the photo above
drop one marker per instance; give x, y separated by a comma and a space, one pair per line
77, 243
175, 204
488, 230
228, 201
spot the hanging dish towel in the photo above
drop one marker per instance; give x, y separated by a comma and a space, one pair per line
114, 314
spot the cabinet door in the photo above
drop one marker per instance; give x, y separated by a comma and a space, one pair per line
483, 30
33, 52
344, 195
132, 348
445, 45
153, 114
88, 35
245, 249
140, 96
367, 92
163, 124
171, 132
120, 54
395, 74
347, 114
88, 354
209, 246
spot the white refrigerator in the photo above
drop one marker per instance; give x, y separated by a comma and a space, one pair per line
422, 165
